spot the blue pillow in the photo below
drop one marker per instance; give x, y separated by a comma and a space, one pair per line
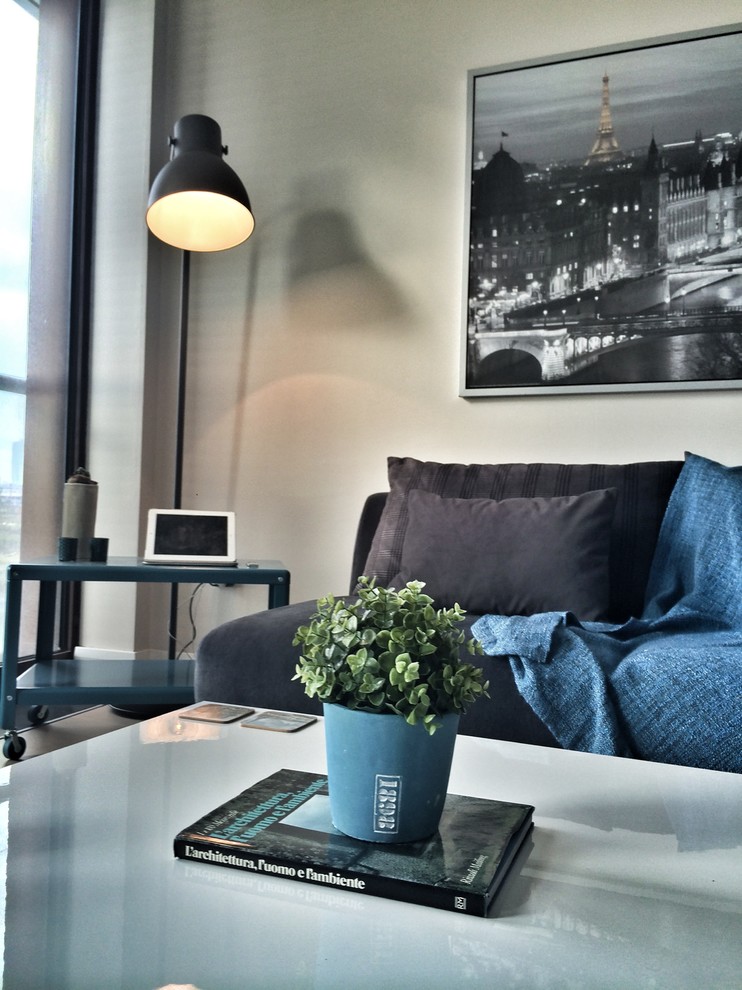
698, 559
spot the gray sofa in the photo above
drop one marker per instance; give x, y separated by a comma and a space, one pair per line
505, 538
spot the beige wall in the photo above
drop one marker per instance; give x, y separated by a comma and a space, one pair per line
346, 120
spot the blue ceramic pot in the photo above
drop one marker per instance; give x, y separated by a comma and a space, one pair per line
387, 779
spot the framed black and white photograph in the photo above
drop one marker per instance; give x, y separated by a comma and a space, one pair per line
604, 207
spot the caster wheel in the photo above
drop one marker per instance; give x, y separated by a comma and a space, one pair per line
37, 714
14, 747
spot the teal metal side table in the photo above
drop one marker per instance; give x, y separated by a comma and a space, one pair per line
53, 680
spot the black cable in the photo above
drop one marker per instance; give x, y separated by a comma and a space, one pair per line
191, 619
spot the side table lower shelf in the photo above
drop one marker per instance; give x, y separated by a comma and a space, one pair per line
137, 681
94, 682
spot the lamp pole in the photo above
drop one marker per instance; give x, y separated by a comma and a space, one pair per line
185, 288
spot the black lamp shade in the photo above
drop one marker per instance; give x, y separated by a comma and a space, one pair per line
197, 202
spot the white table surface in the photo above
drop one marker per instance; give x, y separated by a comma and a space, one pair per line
633, 879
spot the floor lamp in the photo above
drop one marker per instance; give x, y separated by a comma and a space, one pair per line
196, 203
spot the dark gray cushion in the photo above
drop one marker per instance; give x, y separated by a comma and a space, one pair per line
251, 661
642, 492
512, 557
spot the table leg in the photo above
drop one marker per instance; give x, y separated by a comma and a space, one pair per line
10, 650
278, 594
46, 618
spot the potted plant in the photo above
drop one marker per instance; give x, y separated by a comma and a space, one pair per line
388, 670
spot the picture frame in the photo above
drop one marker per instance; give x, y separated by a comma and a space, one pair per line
604, 220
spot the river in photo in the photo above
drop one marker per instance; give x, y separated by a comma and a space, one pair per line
684, 358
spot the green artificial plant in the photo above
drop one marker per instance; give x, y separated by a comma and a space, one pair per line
389, 651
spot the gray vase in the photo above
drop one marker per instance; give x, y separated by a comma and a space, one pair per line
79, 508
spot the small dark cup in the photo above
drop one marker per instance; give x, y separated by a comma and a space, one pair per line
99, 549
67, 548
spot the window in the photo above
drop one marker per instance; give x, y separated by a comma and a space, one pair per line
19, 33
49, 64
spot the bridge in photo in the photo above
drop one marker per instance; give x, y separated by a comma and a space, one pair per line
561, 350
689, 299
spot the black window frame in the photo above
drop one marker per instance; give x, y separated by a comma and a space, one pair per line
61, 252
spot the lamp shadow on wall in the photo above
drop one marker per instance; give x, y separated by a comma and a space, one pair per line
332, 284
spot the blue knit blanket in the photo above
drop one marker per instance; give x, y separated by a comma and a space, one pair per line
666, 686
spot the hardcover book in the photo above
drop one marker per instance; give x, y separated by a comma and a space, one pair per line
281, 826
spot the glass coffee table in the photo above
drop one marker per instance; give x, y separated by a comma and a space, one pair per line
632, 880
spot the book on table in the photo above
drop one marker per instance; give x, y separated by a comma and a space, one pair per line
281, 826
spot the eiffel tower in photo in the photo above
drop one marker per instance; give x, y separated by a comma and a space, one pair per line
605, 148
